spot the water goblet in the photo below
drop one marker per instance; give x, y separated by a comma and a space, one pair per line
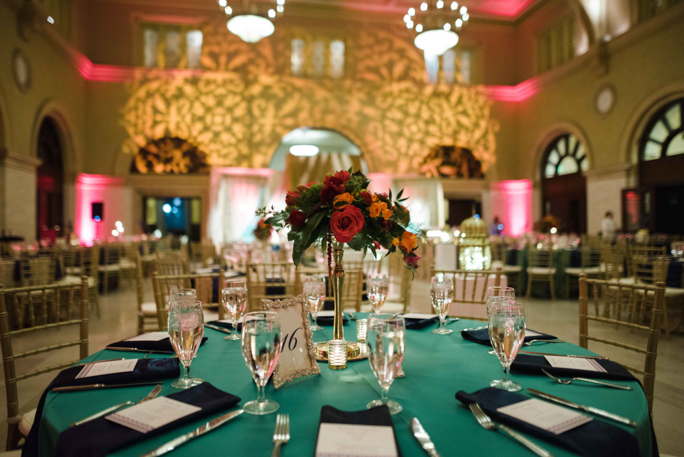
441, 296
507, 334
261, 350
180, 294
379, 286
385, 341
498, 293
186, 329
314, 291
235, 302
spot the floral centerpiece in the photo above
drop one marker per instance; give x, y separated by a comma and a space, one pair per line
546, 224
263, 230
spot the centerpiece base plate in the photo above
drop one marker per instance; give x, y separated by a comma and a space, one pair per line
355, 351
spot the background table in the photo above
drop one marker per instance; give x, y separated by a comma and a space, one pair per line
436, 368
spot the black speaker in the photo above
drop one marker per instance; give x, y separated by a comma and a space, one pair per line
97, 210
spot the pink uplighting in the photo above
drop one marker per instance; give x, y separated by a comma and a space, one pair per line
95, 188
514, 207
517, 93
508, 8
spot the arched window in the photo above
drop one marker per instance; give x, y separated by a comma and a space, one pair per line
563, 156
664, 134
50, 182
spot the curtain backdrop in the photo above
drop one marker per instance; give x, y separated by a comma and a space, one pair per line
302, 170
426, 200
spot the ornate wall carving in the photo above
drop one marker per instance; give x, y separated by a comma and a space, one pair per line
169, 155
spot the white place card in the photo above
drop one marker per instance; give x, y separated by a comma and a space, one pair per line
530, 333
326, 313
152, 336
349, 440
230, 321
102, 368
145, 417
418, 316
547, 416
575, 363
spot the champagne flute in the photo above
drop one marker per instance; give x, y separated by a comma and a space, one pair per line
314, 291
385, 341
498, 293
261, 350
507, 334
235, 302
379, 287
186, 329
441, 296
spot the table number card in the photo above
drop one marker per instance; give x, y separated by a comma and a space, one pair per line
547, 416
418, 316
349, 440
297, 356
103, 368
575, 363
152, 336
145, 417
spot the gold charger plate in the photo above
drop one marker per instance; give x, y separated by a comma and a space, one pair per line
355, 351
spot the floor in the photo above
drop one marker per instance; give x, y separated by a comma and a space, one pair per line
118, 320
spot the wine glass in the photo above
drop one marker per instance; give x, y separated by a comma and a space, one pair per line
314, 291
506, 333
235, 301
261, 349
441, 296
180, 294
385, 341
379, 287
186, 329
498, 293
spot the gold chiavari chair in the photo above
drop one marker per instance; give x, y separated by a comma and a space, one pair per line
127, 262
87, 262
6, 273
269, 281
171, 263
204, 287
399, 278
111, 266
498, 250
51, 307
623, 307
37, 270
352, 287
147, 311
540, 269
591, 265
147, 257
470, 291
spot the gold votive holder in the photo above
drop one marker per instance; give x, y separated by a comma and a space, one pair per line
361, 330
337, 354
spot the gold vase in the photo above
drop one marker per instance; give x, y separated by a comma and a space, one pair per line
337, 281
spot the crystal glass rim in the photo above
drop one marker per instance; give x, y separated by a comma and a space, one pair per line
507, 307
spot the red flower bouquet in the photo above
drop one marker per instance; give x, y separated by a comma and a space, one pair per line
263, 230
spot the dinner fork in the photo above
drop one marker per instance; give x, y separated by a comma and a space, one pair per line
281, 435
529, 343
148, 397
486, 422
593, 381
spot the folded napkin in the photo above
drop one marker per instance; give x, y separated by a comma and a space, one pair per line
533, 364
593, 439
379, 415
416, 323
161, 345
330, 320
482, 336
145, 370
100, 437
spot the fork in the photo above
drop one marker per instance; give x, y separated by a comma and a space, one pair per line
529, 343
486, 422
281, 435
148, 397
593, 381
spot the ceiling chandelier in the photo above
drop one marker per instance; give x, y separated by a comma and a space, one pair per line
251, 20
436, 25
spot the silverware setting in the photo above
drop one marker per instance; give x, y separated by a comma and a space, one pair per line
217, 328
486, 422
281, 434
111, 348
593, 381
99, 361
587, 409
148, 397
423, 438
102, 386
473, 329
529, 343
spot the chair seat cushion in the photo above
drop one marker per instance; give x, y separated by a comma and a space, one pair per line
112, 267
73, 270
149, 309
626, 280
26, 422
589, 271
541, 271
674, 292
512, 268
126, 264
73, 280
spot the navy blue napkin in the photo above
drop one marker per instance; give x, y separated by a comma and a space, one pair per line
533, 364
593, 439
482, 336
99, 437
161, 345
330, 320
145, 370
379, 415
417, 324
227, 325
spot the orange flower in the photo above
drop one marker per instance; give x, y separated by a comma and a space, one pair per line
409, 241
395, 242
342, 200
386, 214
376, 209
375, 198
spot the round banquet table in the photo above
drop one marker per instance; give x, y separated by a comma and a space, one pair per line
436, 368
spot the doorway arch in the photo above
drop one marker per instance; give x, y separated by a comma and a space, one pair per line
49, 181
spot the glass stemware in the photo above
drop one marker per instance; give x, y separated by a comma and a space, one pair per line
178, 294
235, 302
261, 350
186, 329
498, 293
507, 334
379, 286
314, 291
441, 296
385, 341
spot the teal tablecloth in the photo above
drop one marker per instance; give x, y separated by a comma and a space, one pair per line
436, 368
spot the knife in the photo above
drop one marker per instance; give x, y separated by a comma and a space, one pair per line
596, 357
102, 386
111, 348
474, 328
216, 327
423, 438
181, 440
588, 409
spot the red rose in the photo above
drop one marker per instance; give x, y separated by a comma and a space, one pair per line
383, 196
332, 187
412, 261
377, 245
386, 224
347, 223
367, 198
291, 198
343, 175
296, 218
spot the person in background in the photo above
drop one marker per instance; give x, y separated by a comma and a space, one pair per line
608, 225
497, 227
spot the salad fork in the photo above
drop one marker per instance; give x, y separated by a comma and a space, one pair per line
148, 397
281, 435
593, 381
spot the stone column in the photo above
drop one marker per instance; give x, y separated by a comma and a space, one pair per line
18, 193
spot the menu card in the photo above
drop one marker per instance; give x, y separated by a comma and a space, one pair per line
102, 368
575, 363
530, 333
145, 417
349, 440
152, 336
418, 316
326, 313
547, 416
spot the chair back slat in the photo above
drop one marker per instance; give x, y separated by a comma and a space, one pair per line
264, 279
470, 291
